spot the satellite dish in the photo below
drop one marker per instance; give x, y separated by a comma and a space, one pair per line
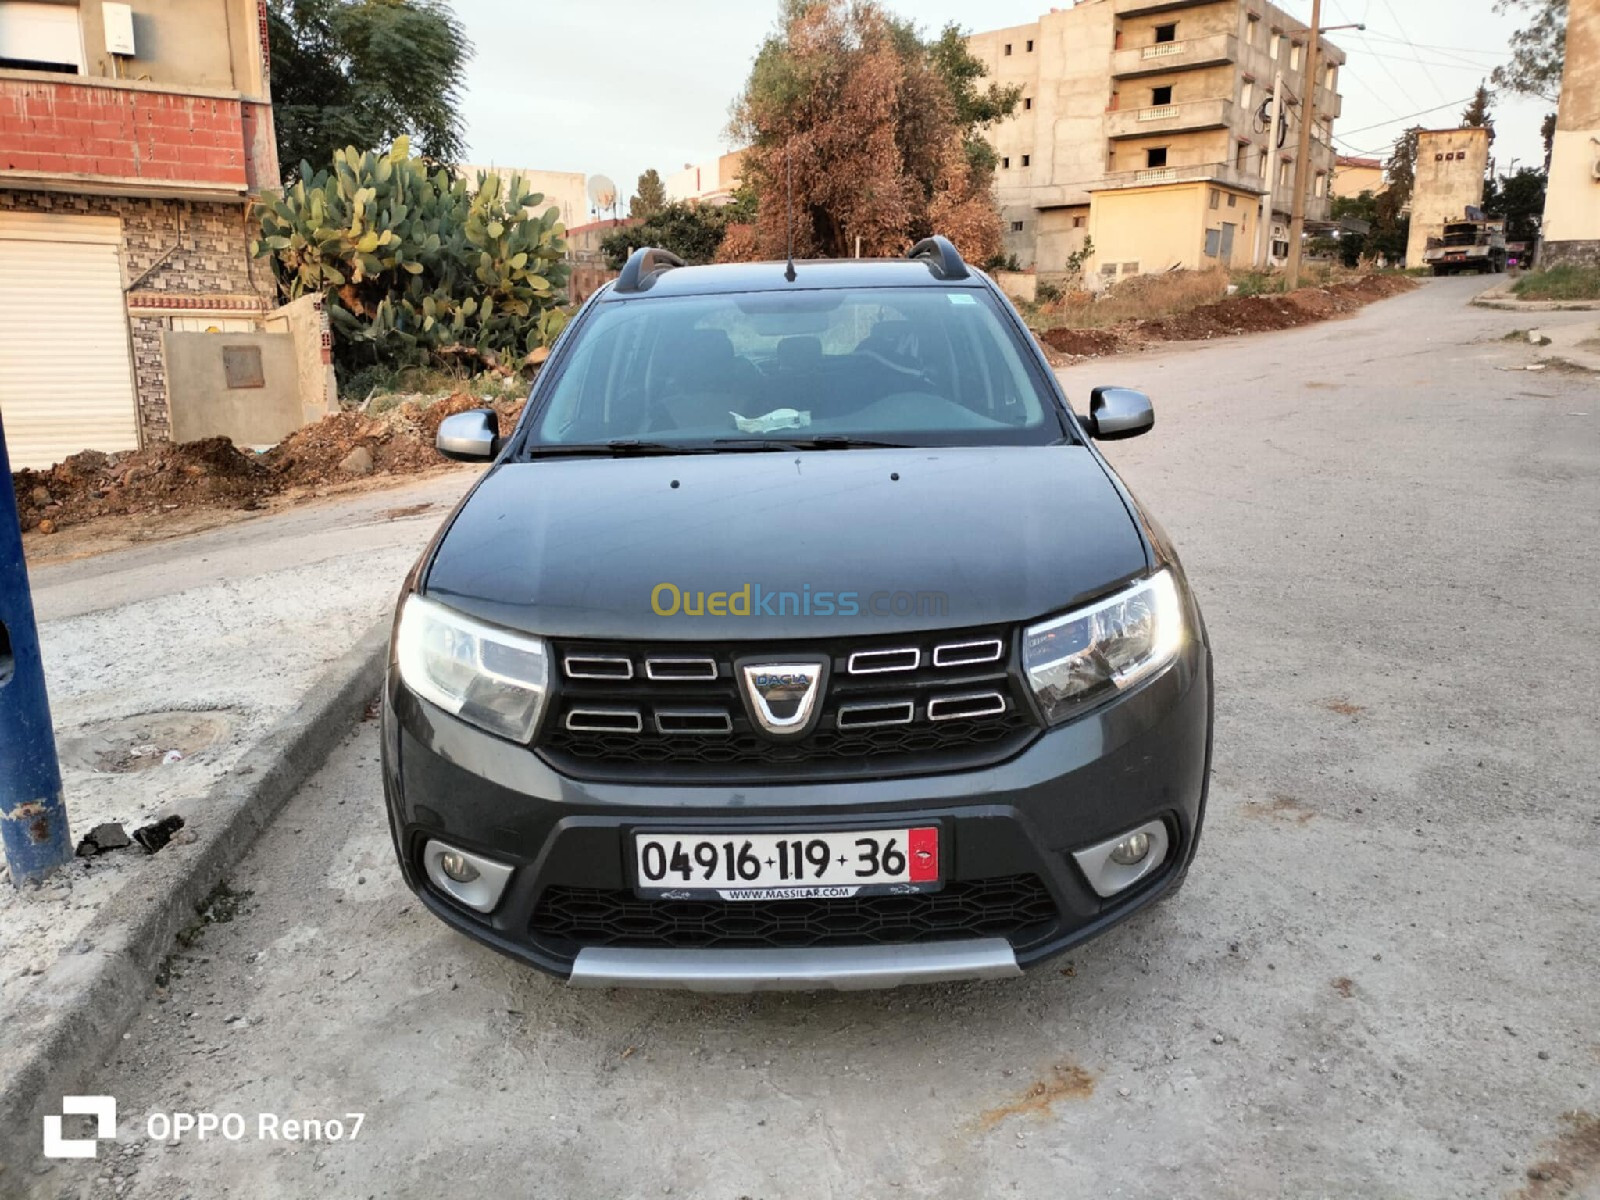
602, 192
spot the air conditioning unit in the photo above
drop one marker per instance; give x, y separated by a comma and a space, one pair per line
118, 19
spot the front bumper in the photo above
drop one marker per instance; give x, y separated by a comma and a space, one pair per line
1142, 757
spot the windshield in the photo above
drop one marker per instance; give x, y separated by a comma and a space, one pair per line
898, 366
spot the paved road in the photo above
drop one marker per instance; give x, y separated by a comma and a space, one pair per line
1379, 982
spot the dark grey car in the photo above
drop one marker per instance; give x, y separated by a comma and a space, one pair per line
798, 636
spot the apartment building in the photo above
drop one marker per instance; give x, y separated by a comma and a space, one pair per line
1353, 175
1141, 142
131, 137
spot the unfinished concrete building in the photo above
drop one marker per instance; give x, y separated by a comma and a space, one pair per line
1452, 165
1143, 134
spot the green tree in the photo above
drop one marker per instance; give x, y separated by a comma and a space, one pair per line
1538, 49
1352, 246
976, 109
1391, 227
1477, 114
1518, 198
649, 198
693, 232
363, 73
418, 265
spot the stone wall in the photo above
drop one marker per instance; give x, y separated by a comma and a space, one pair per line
1578, 253
178, 256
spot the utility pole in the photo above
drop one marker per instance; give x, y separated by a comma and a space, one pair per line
1264, 223
33, 815
1302, 161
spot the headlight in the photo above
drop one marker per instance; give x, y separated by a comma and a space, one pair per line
1112, 644
492, 677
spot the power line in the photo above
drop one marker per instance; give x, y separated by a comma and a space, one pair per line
1401, 29
1422, 113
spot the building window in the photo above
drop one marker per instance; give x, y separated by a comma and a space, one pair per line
1240, 156
1247, 96
1216, 198
1008, 48
1321, 185
1016, 227
1285, 172
1026, 159
1130, 268
1030, 45
1294, 56
1077, 222
1166, 33
1261, 166
1252, 29
1027, 102
1155, 156
1213, 242
1330, 76
1161, 96
1005, 162
1273, 45
40, 37
1233, 201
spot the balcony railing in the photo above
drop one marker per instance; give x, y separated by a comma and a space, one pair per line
1170, 118
1223, 173
1164, 57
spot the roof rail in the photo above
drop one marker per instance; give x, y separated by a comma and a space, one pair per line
642, 267
943, 257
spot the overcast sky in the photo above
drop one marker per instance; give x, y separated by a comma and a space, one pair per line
616, 86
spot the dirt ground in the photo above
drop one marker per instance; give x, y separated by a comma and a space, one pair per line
167, 490
1228, 317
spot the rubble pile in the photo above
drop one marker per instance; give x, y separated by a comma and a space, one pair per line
214, 473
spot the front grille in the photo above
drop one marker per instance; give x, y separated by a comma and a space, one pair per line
1015, 907
892, 706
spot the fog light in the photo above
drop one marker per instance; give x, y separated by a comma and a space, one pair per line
1118, 863
472, 879
1125, 853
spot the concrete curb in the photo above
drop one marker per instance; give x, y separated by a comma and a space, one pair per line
61, 1035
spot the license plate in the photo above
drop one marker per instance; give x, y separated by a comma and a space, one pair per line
786, 866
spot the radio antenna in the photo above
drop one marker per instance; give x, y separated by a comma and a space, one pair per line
788, 165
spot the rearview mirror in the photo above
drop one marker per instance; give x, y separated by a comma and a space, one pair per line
1116, 412
470, 436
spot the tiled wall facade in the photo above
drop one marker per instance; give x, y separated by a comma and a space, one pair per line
176, 254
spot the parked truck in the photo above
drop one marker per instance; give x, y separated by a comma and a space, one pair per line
1471, 243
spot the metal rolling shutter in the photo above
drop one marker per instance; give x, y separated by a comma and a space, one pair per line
66, 383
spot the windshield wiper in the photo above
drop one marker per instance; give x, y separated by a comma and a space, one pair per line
825, 441
619, 448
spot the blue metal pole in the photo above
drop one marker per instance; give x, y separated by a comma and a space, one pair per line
33, 814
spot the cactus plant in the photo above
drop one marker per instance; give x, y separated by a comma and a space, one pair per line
417, 265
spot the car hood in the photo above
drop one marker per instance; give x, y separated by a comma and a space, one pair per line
823, 543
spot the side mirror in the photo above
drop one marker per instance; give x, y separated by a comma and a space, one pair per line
1116, 412
470, 436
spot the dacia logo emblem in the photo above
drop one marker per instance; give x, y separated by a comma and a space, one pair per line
784, 698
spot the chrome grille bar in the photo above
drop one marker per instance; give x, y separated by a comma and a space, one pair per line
673, 670
881, 662
703, 722
872, 716
605, 720
967, 654
597, 666
966, 706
